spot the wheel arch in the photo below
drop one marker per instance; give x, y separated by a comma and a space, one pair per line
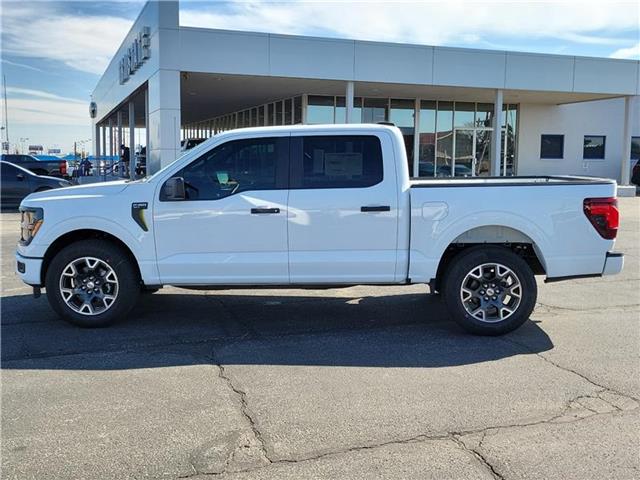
511, 238
83, 234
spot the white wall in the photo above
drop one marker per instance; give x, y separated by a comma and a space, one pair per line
603, 117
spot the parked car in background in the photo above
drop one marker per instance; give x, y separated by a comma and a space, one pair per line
315, 205
189, 143
53, 168
18, 182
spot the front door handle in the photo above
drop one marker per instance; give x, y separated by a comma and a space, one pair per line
378, 208
262, 211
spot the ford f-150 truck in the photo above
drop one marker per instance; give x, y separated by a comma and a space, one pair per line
315, 206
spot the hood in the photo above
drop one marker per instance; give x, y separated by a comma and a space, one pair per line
93, 190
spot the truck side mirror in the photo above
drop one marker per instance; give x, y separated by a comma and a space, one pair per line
173, 189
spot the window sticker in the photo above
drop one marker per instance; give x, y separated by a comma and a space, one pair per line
343, 164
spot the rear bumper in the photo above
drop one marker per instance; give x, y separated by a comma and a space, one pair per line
28, 269
613, 263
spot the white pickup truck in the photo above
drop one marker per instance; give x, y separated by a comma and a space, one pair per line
315, 206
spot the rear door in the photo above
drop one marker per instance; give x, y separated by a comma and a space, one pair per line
343, 208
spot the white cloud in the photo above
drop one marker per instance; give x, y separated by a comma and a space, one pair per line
27, 106
42, 94
84, 43
434, 22
632, 52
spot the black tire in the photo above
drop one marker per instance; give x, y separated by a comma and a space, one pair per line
128, 282
473, 258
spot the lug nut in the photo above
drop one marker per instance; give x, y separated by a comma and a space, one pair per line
494, 298
486, 298
481, 292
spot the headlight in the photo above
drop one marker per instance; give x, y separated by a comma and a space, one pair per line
31, 222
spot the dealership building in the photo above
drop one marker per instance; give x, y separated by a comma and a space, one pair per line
462, 111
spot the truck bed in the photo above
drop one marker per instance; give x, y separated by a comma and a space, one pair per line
508, 181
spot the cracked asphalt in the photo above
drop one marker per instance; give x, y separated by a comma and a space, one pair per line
362, 382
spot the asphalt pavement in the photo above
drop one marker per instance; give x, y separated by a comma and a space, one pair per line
361, 382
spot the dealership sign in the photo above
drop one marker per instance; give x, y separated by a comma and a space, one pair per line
35, 148
52, 151
136, 55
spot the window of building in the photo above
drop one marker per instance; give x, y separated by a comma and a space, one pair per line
234, 167
552, 146
402, 113
375, 110
353, 161
427, 139
484, 114
320, 109
635, 148
297, 110
288, 111
593, 147
464, 116
444, 137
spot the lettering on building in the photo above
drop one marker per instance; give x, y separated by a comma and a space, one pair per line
137, 53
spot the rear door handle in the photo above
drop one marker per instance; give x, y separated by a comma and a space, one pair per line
378, 208
263, 211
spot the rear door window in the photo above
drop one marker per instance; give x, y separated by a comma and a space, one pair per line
337, 161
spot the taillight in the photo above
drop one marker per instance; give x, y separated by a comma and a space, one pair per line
603, 215
63, 168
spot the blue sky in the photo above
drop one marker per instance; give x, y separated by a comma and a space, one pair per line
54, 52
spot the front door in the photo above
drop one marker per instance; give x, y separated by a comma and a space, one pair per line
232, 226
343, 209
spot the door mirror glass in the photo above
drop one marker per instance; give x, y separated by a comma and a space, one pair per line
173, 189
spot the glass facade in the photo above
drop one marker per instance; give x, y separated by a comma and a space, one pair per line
453, 138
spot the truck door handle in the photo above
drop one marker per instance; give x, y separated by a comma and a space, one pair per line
262, 211
378, 208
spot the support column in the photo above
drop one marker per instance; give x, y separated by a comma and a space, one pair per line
132, 141
103, 150
497, 134
625, 163
96, 142
349, 94
164, 119
146, 131
110, 136
119, 140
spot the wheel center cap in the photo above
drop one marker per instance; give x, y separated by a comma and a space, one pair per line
90, 285
490, 291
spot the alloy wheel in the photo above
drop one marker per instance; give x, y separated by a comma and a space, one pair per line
89, 286
491, 292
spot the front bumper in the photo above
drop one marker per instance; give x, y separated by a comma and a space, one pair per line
613, 263
29, 269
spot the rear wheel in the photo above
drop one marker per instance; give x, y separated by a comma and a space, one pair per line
92, 283
489, 290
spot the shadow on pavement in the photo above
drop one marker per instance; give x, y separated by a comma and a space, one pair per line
407, 330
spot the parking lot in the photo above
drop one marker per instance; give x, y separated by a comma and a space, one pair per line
362, 382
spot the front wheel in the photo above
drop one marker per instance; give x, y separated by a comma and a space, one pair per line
489, 290
92, 283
